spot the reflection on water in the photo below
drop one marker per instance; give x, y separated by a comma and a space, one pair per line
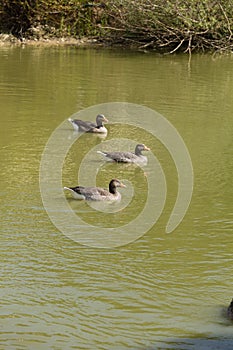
162, 291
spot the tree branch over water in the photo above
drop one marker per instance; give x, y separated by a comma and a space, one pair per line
165, 25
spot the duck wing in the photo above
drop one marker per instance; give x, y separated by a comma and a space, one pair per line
123, 157
84, 125
77, 189
94, 193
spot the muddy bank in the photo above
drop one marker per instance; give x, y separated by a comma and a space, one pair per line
9, 39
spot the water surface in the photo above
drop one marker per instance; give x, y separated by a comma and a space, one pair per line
163, 291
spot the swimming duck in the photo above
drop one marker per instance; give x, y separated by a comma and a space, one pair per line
84, 126
97, 193
230, 310
127, 157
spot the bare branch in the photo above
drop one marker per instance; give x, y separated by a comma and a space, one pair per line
227, 19
177, 47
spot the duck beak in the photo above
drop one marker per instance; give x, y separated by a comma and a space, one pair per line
122, 185
105, 120
146, 148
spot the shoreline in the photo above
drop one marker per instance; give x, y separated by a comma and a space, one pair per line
166, 28
92, 43
9, 39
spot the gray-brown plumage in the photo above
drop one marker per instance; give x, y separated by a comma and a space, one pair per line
86, 126
127, 157
97, 193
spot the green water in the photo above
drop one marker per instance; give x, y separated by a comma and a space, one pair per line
161, 291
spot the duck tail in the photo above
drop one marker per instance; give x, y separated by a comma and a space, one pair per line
103, 153
66, 188
73, 122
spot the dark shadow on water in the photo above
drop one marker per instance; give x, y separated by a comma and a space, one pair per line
194, 344
218, 342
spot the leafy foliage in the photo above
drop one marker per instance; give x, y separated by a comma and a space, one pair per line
168, 25
61, 17
172, 24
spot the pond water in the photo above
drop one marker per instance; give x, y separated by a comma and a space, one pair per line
159, 291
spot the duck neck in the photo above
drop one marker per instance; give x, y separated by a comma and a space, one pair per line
99, 122
138, 152
112, 188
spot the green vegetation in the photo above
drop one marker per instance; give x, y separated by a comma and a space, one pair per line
168, 25
51, 17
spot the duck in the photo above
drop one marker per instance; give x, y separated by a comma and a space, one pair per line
127, 157
97, 193
85, 126
230, 310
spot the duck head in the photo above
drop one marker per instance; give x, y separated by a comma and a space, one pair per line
100, 119
141, 147
114, 183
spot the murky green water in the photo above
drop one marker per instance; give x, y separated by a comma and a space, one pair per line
163, 291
